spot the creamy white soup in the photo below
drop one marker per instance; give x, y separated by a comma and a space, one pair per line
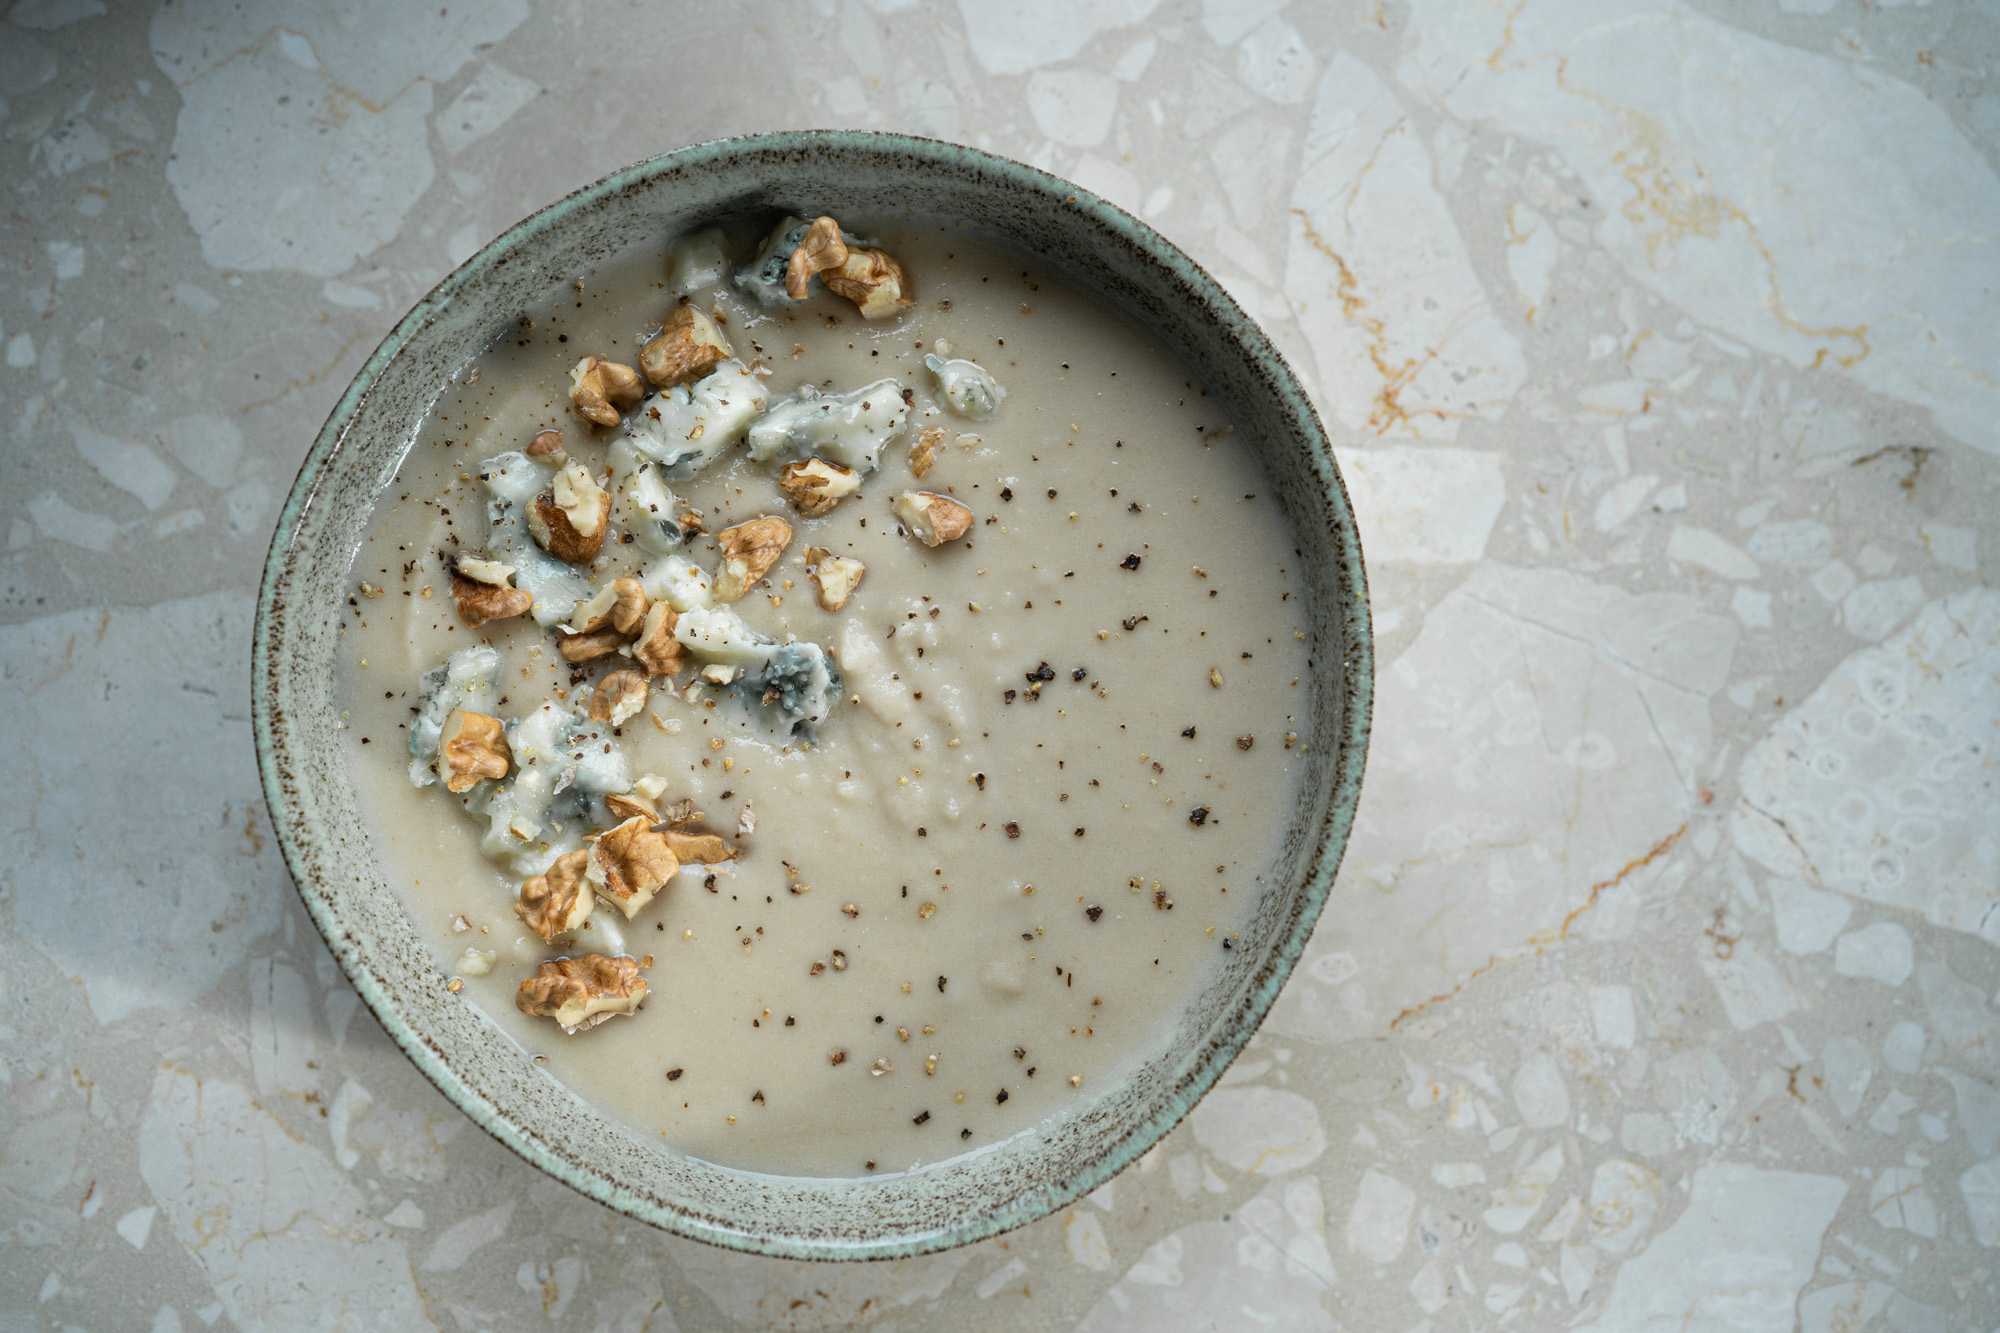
813, 891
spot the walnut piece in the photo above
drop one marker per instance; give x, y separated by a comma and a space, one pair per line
924, 452
822, 249
599, 390
698, 848
815, 486
589, 647
559, 901
621, 604
748, 551
546, 442
686, 349
656, 648
834, 577
933, 519
618, 698
630, 864
569, 519
628, 805
871, 280
582, 992
472, 746
480, 588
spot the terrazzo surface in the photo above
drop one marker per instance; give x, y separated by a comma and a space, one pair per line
1658, 340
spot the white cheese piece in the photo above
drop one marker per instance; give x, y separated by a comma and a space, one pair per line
849, 428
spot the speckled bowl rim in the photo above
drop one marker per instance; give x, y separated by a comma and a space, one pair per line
1356, 666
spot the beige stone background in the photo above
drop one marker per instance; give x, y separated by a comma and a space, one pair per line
1661, 340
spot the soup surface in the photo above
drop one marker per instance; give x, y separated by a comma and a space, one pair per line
1044, 796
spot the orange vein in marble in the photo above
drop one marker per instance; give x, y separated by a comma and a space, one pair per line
1561, 932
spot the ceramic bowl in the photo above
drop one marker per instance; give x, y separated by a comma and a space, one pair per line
327, 847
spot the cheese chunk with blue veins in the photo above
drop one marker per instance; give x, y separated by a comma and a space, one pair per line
645, 504
677, 581
463, 681
512, 481
967, 387
689, 426
763, 278
848, 428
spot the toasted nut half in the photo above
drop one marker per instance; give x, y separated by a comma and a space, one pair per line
686, 349
483, 571
630, 863
546, 442
748, 551
569, 519
934, 519
698, 848
814, 485
870, 279
621, 604
618, 698
822, 249
472, 746
834, 577
582, 992
589, 647
656, 648
630, 805
480, 587
559, 901
924, 452
599, 390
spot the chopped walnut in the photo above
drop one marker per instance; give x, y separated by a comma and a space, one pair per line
630, 864
746, 821
871, 280
934, 519
480, 588
545, 443
821, 250
815, 486
476, 962
698, 848
589, 647
618, 698
569, 519
600, 389
582, 992
630, 805
834, 577
621, 604
686, 349
749, 549
472, 746
559, 901
924, 452
656, 648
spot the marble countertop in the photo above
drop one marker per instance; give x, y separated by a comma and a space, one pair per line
1659, 339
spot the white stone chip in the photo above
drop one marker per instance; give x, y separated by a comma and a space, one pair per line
1379, 1225
1881, 952
1807, 919
1699, 546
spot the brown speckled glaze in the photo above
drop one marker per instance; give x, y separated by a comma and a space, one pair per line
296, 712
